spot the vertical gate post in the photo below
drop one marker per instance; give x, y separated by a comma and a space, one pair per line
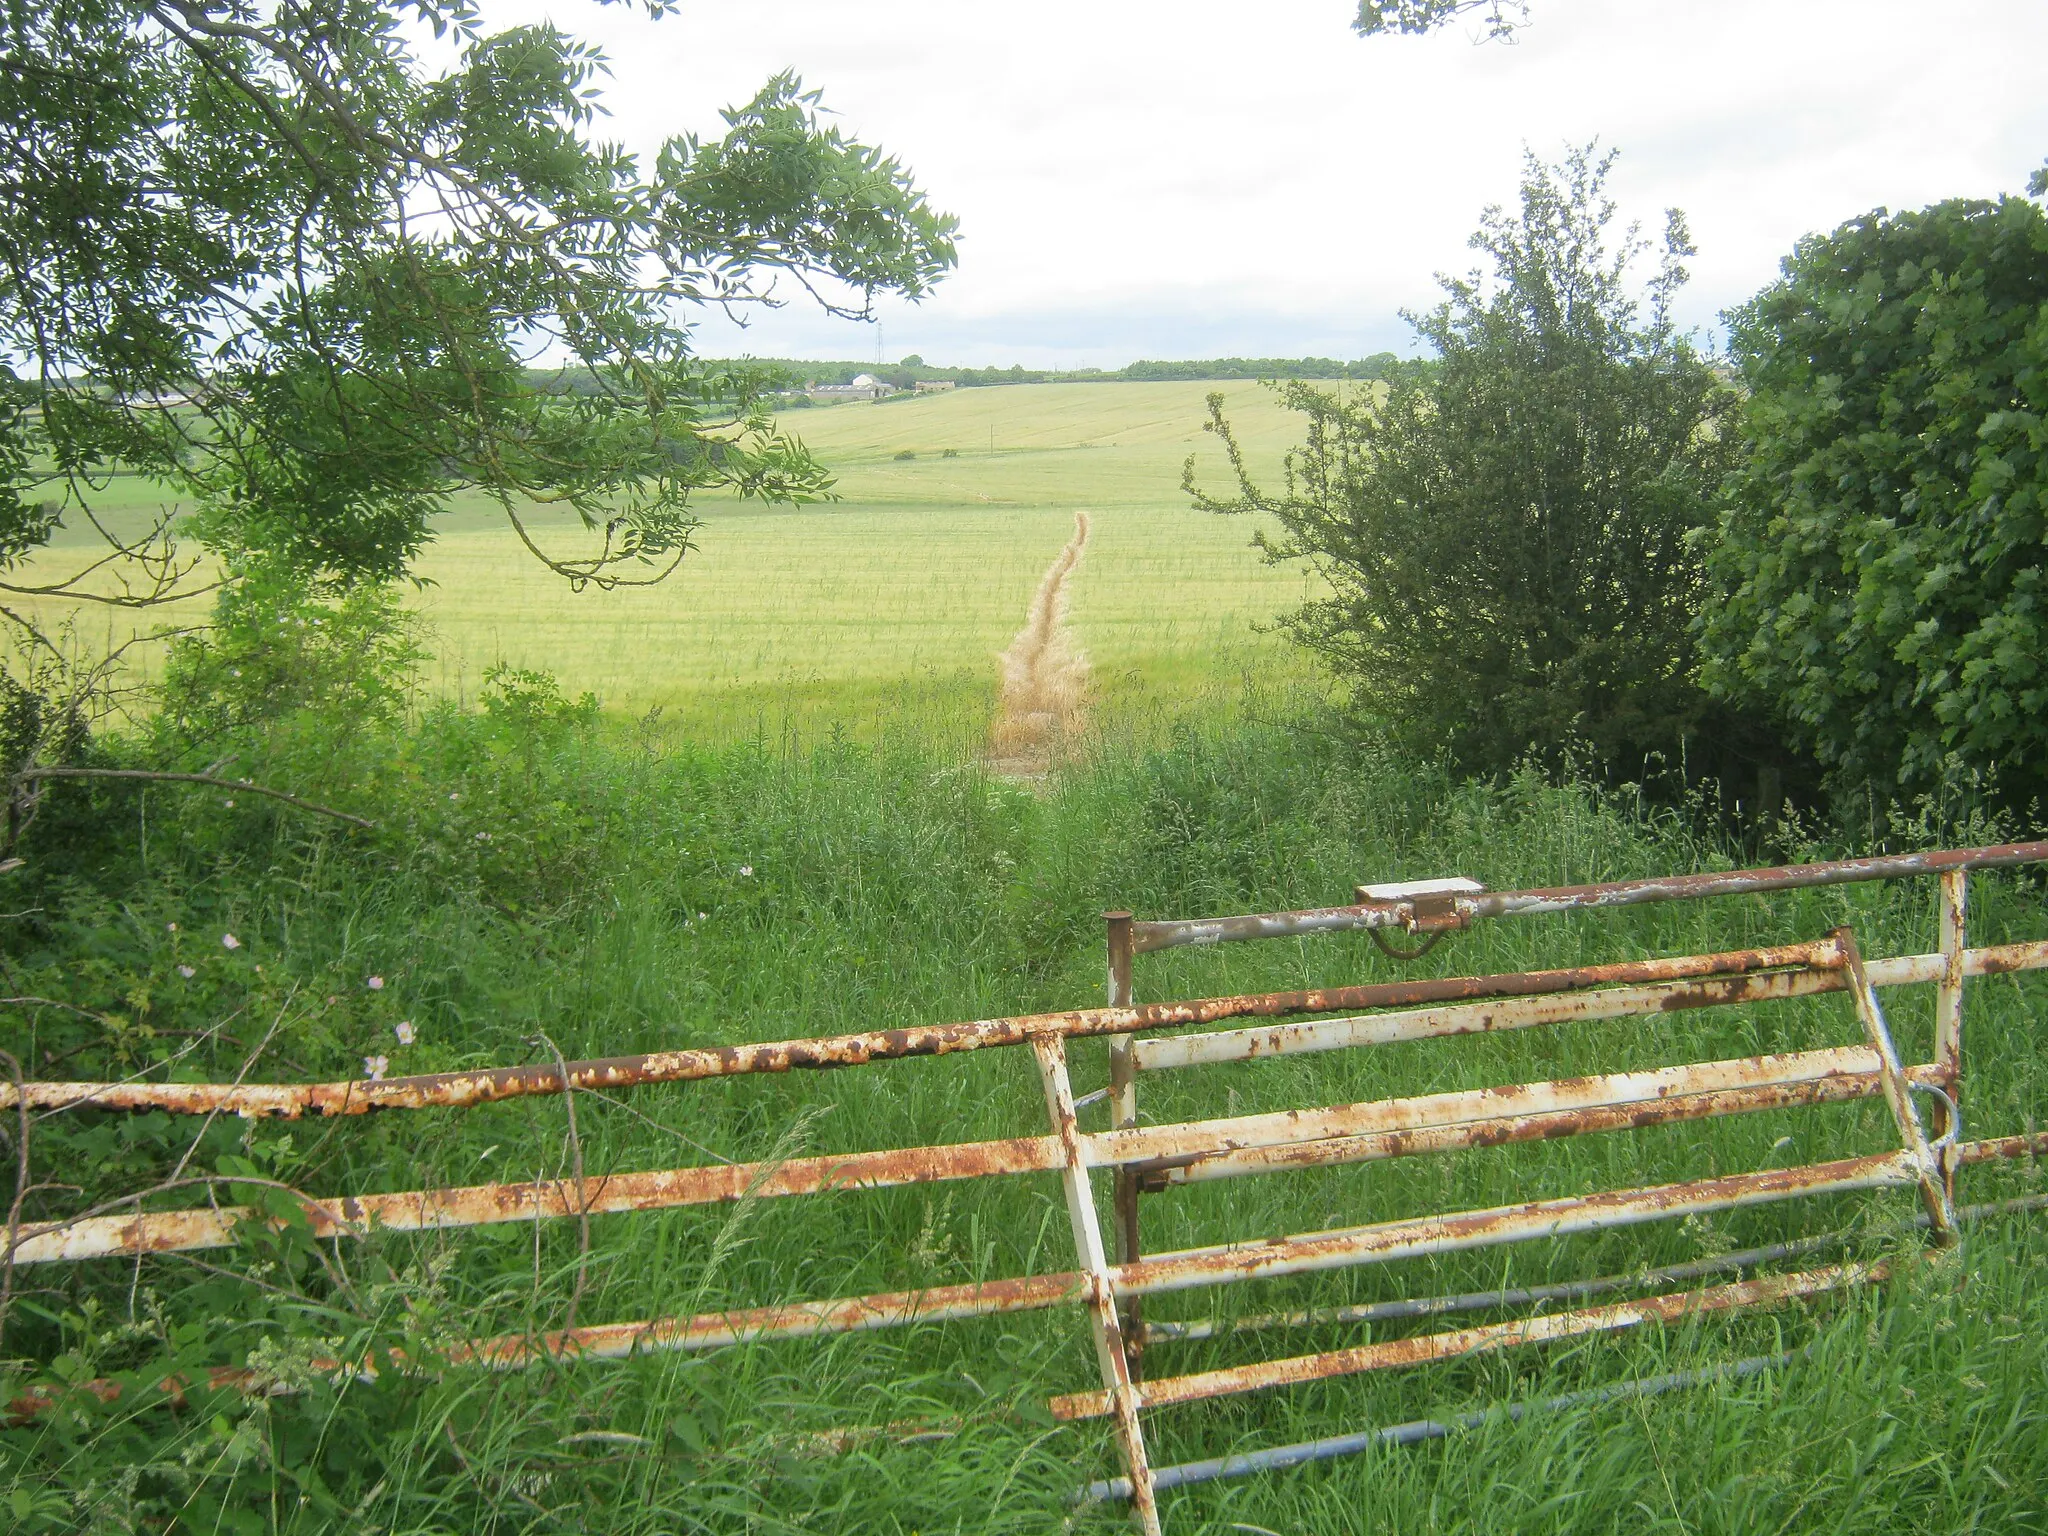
1123, 1115
1094, 1264
1948, 998
1941, 1213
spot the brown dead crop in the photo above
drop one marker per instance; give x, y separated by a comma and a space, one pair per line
1044, 679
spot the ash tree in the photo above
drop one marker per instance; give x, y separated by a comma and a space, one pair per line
303, 275
1505, 530
1878, 573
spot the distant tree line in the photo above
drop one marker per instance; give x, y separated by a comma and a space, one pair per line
796, 373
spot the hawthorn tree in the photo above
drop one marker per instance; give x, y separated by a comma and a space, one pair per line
1878, 572
1504, 531
264, 260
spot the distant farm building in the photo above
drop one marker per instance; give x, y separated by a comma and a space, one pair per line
865, 386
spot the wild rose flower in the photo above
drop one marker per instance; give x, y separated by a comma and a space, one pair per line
374, 1067
746, 871
375, 983
404, 1030
187, 972
170, 927
229, 941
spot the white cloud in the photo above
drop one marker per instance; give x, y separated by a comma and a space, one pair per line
1138, 178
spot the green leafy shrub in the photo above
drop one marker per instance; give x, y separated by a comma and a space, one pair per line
1504, 534
1878, 571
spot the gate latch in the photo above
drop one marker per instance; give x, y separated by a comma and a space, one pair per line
1432, 904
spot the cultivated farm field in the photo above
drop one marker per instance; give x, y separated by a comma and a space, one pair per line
888, 607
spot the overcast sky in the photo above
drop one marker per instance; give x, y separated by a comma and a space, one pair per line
1137, 178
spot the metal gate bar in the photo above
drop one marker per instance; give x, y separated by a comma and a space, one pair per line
1119, 1394
39, 1399
1278, 1457
1155, 1157
1456, 903
1459, 1343
1158, 1053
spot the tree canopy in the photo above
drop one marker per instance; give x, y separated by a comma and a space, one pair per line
1879, 567
315, 266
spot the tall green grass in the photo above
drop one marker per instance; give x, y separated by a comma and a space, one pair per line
545, 883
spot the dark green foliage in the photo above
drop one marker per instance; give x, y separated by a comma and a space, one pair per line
272, 258
1878, 572
1505, 533
1414, 17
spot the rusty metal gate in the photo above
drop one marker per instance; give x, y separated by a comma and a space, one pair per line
1146, 1159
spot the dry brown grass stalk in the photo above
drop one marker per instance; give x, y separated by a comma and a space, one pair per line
1040, 707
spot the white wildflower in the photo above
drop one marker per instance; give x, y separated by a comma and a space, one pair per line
374, 1067
187, 972
746, 871
404, 1030
229, 941
375, 983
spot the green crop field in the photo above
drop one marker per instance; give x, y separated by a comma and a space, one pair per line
890, 604
533, 885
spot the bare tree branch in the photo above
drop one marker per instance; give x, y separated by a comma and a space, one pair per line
147, 775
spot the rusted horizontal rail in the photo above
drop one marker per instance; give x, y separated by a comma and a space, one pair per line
791, 1320
1466, 907
1574, 1007
1410, 1307
1831, 1087
1419, 1237
457, 1089
943, 1303
479, 1205
1393, 1354
39, 1398
1417, 1431
1203, 1149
